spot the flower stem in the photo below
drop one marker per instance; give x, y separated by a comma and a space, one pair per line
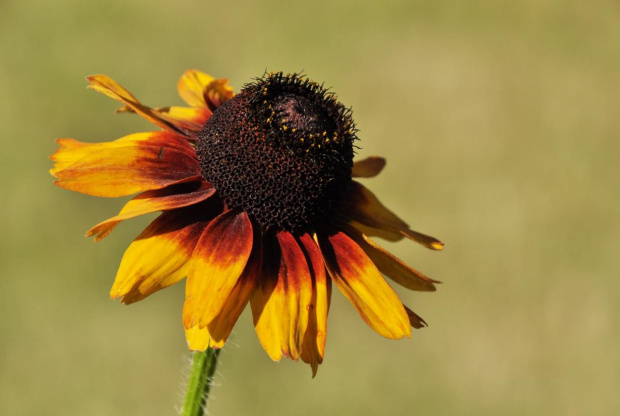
199, 382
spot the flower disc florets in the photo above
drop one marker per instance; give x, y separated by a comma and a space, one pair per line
281, 150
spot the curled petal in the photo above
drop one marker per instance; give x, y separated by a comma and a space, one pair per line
111, 88
133, 164
217, 263
392, 266
281, 303
202, 90
313, 349
362, 284
369, 167
159, 257
362, 206
217, 93
172, 197
191, 87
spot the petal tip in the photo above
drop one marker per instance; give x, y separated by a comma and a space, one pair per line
438, 245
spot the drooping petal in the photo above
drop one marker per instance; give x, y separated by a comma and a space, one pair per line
132, 164
159, 257
281, 302
217, 263
362, 206
368, 168
111, 88
414, 319
362, 284
392, 266
172, 197
313, 349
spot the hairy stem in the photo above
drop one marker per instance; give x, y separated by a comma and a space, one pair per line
199, 382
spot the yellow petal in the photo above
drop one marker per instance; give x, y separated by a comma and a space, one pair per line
362, 284
392, 266
197, 338
281, 302
217, 263
159, 257
217, 93
221, 326
313, 349
192, 85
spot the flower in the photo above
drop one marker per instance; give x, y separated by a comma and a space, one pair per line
258, 205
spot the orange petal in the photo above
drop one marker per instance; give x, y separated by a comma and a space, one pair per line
172, 197
135, 163
192, 85
414, 319
362, 206
359, 280
159, 257
369, 167
217, 263
392, 266
109, 87
221, 326
281, 303
313, 349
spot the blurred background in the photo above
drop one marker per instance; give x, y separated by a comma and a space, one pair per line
500, 124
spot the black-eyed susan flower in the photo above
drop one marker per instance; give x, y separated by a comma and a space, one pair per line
258, 205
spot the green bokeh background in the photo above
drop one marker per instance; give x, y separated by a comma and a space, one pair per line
501, 128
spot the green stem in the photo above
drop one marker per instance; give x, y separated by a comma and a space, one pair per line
199, 382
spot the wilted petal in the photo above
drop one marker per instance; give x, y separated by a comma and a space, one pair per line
369, 167
414, 319
362, 206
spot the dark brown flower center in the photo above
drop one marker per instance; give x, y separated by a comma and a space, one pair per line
282, 150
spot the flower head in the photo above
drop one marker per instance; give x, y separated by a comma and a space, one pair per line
258, 205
